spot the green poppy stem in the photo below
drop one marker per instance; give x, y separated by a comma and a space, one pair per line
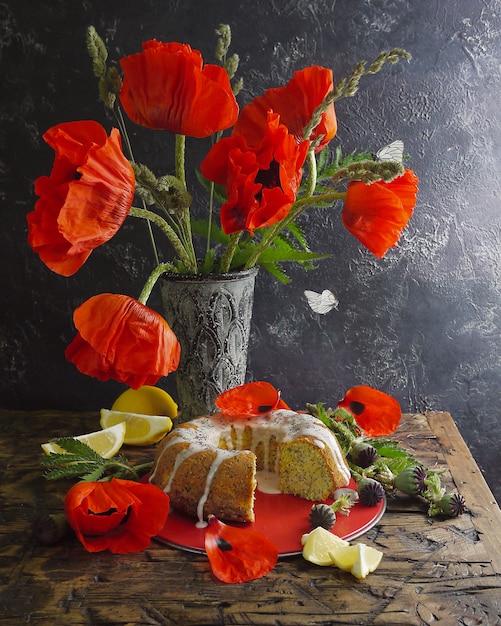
160, 269
168, 231
190, 257
180, 156
230, 251
117, 110
312, 168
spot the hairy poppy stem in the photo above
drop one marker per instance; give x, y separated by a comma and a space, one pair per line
312, 179
230, 251
152, 280
168, 231
190, 261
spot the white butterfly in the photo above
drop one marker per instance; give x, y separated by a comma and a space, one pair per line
321, 302
392, 152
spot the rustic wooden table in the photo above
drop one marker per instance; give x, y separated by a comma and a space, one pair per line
433, 571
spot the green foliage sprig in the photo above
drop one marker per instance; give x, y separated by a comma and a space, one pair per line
80, 461
392, 465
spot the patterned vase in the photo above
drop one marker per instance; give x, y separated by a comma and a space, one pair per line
211, 316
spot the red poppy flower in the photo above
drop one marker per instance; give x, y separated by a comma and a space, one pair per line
167, 87
374, 411
249, 400
376, 214
237, 555
261, 181
85, 199
295, 103
120, 516
120, 338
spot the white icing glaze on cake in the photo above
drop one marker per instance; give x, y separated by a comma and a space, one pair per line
226, 436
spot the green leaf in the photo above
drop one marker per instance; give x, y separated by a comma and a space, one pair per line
208, 264
70, 469
396, 465
218, 190
280, 252
297, 232
275, 270
389, 448
199, 227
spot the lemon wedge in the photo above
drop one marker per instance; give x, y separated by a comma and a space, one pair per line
105, 442
368, 560
324, 548
345, 557
320, 544
140, 430
358, 559
146, 400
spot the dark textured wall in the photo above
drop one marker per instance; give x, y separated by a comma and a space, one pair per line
423, 324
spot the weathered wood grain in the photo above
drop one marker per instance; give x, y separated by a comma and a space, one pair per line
434, 571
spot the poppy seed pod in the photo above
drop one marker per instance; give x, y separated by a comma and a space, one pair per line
322, 515
363, 454
411, 480
452, 504
371, 491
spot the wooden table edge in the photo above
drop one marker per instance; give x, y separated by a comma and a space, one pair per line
470, 482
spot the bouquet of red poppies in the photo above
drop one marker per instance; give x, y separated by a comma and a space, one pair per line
274, 165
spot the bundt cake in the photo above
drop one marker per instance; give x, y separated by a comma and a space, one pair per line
212, 464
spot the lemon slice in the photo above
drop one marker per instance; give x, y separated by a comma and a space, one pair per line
105, 442
320, 544
358, 559
146, 400
141, 430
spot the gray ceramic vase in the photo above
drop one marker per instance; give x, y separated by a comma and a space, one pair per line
211, 317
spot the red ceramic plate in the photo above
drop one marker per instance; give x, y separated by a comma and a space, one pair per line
283, 519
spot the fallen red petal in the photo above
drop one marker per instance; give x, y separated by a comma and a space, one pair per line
237, 555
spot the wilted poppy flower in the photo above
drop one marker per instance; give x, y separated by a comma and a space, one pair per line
295, 103
250, 399
261, 181
237, 555
120, 338
120, 515
376, 214
374, 411
167, 87
85, 199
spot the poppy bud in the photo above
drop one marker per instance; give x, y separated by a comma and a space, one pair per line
50, 528
411, 480
371, 491
452, 504
363, 454
322, 515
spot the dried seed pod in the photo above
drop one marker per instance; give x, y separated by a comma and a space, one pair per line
322, 515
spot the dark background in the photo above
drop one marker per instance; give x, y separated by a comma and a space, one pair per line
422, 324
